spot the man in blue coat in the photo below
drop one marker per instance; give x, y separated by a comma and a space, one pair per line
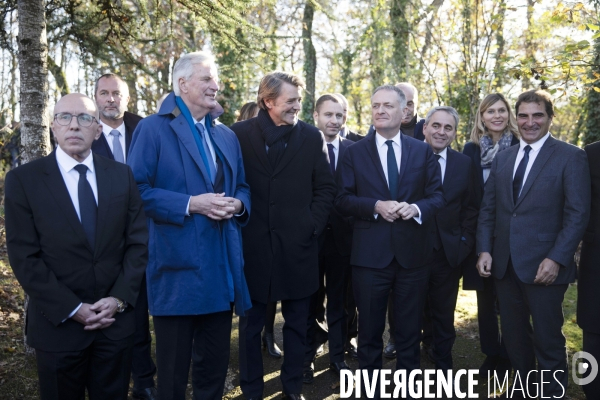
191, 177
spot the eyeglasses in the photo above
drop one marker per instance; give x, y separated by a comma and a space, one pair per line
84, 120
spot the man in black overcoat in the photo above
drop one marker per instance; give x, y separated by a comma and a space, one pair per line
287, 167
588, 282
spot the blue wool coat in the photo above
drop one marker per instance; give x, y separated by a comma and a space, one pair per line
194, 261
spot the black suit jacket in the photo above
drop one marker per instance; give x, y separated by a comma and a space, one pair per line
290, 207
361, 183
341, 226
588, 302
457, 221
353, 136
100, 146
471, 278
53, 261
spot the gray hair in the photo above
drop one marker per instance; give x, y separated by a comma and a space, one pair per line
184, 67
392, 88
447, 109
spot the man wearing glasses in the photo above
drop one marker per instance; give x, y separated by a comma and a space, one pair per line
77, 242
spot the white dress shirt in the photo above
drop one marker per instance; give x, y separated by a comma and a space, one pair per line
336, 149
443, 159
382, 149
66, 165
533, 153
106, 130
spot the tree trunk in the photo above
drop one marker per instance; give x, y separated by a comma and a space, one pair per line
399, 27
529, 56
310, 63
498, 67
592, 119
33, 68
59, 76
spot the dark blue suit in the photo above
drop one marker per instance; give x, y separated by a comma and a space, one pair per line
386, 255
100, 145
143, 368
454, 233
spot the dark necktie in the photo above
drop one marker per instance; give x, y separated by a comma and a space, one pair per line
331, 158
117, 148
88, 209
520, 174
207, 158
437, 157
392, 167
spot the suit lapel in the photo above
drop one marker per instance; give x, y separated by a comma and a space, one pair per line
56, 186
104, 194
404, 157
541, 159
293, 146
374, 153
507, 174
259, 146
450, 166
185, 135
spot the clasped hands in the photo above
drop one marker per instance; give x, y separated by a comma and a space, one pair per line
546, 273
215, 206
391, 210
98, 315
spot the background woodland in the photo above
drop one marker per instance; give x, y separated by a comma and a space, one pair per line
454, 51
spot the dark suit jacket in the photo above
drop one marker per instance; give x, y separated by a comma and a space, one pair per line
342, 226
290, 207
588, 283
100, 146
471, 278
457, 220
53, 261
361, 183
549, 218
353, 136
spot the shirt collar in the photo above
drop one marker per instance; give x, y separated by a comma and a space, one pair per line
68, 163
534, 146
443, 154
380, 140
202, 121
336, 142
107, 129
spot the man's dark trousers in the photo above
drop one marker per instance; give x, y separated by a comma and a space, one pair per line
441, 296
376, 285
143, 368
543, 303
334, 267
295, 314
205, 335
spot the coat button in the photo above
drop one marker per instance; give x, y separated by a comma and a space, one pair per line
272, 203
515, 214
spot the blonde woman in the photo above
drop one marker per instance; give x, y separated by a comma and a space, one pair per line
495, 130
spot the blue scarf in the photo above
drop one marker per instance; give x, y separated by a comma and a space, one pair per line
190, 120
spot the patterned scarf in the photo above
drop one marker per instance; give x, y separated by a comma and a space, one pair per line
489, 149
